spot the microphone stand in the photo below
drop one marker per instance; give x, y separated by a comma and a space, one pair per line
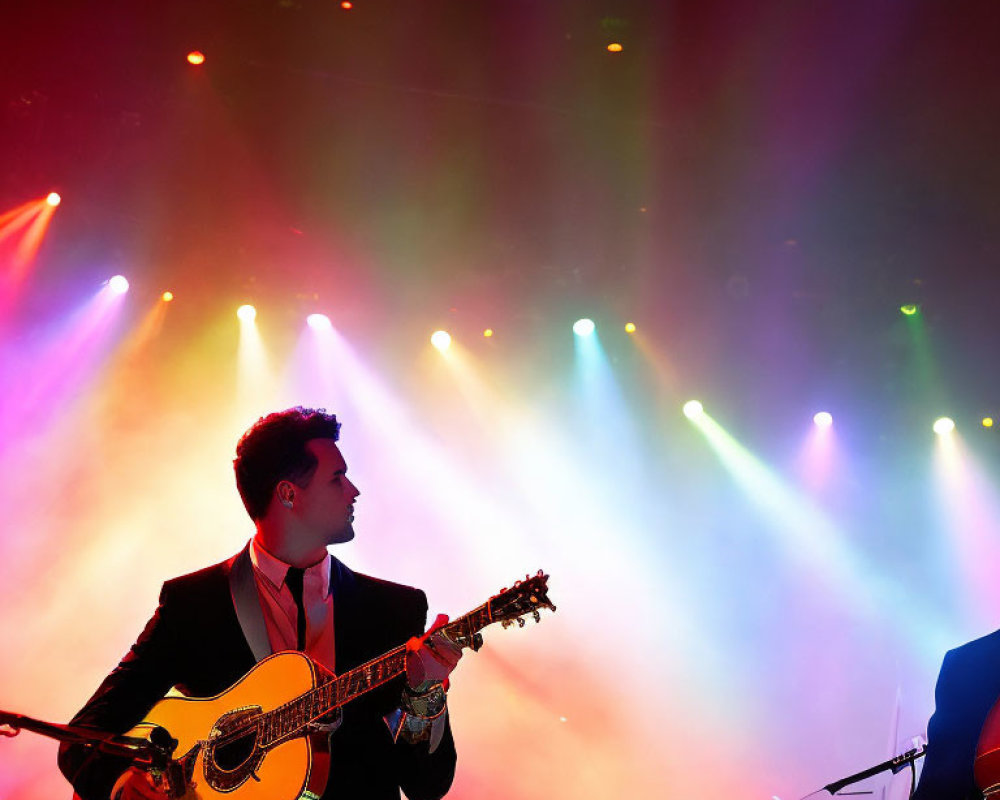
153, 754
896, 763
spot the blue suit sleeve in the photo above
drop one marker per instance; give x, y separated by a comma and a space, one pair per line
953, 733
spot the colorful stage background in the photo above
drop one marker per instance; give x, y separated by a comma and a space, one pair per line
749, 605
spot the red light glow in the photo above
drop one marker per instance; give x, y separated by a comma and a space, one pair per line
196, 57
25, 226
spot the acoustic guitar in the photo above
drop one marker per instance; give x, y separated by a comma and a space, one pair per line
986, 767
258, 739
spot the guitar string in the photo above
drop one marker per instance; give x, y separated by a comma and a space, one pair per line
252, 724
343, 680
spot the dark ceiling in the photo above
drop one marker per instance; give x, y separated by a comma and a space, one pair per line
760, 184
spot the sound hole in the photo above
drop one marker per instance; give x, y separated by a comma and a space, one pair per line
233, 754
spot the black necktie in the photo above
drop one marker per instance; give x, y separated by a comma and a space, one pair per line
293, 580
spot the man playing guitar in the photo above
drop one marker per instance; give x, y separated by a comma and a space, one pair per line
285, 592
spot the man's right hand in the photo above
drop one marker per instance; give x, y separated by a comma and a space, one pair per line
137, 784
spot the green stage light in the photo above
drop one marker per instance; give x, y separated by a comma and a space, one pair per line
693, 409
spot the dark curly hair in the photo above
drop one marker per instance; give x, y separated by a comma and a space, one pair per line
274, 450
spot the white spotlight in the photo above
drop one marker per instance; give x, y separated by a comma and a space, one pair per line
583, 327
441, 340
943, 425
824, 419
319, 322
693, 409
118, 284
246, 313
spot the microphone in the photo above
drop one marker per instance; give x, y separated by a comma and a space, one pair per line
896, 763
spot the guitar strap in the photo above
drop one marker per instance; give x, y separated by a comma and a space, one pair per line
243, 589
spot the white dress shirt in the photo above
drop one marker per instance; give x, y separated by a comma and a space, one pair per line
281, 612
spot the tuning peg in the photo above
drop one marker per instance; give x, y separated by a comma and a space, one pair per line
506, 623
536, 615
520, 622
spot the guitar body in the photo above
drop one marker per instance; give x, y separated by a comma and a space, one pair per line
986, 767
258, 739
219, 745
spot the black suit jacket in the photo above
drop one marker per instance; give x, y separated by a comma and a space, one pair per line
967, 688
194, 641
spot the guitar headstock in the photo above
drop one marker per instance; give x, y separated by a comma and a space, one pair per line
510, 606
524, 597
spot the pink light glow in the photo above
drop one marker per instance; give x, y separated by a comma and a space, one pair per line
319, 322
970, 512
118, 284
818, 454
823, 419
41, 380
30, 220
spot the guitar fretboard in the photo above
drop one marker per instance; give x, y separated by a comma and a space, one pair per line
289, 719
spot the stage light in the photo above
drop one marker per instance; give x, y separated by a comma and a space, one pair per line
987, 422
693, 409
167, 296
319, 322
118, 284
943, 425
441, 340
823, 419
488, 333
246, 313
583, 327
629, 327
347, 5
909, 309
196, 57
614, 47
53, 199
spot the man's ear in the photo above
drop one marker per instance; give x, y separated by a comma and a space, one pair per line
285, 491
